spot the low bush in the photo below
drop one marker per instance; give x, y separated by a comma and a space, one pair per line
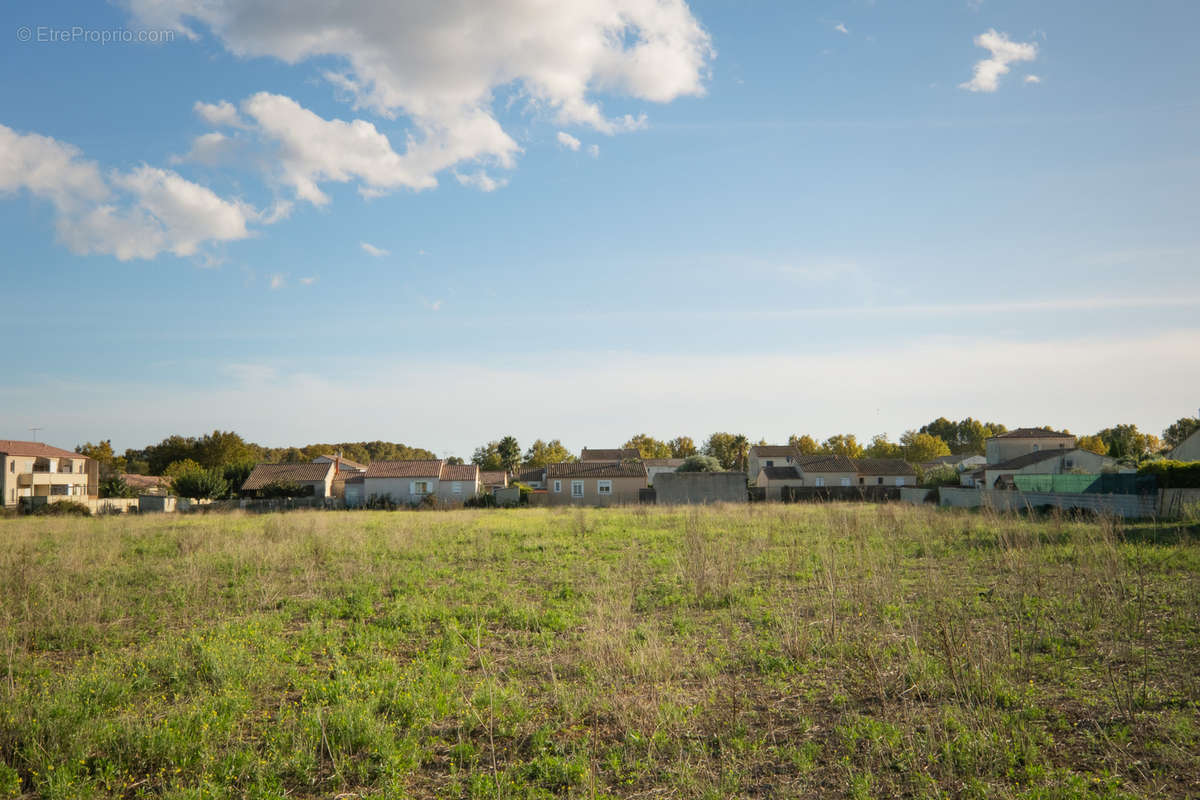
1173, 474
63, 508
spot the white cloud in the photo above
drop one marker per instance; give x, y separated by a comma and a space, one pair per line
481, 181
278, 281
135, 214
308, 281
209, 148
568, 141
1032, 79
445, 65
219, 115
372, 250
594, 150
841, 28
1004, 52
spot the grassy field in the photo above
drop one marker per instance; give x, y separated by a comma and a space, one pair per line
753, 651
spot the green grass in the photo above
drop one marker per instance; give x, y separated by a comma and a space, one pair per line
754, 651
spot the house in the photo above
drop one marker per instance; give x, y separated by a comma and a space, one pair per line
147, 484
491, 480
595, 483
961, 463
33, 469
827, 470
1043, 462
533, 477
654, 466
885, 472
620, 454
770, 455
773, 479
411, 482
317, 477
1188, 449
342, 464
1022, 441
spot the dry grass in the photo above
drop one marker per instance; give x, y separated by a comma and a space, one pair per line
764, 651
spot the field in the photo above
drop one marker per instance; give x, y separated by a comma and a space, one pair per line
755, 651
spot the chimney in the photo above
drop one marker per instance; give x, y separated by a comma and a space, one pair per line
337, 463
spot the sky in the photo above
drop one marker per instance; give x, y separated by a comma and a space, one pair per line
439, 224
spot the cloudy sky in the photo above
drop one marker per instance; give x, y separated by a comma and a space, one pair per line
439, 223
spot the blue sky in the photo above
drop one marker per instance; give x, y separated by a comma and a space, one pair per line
618, 216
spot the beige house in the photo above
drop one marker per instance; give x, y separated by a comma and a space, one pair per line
770, 455
317, 476
774, 479
885, 472
411, 482
533, 477
1188, 449
595, 483
619, 454
36, 470
1044, 462
491, 480
826, 470
1023, 441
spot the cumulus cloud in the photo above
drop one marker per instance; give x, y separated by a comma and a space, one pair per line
219, 115
135, 214
841, 28
444, 66
277, 281
209, 148
372, 250
1032, 79
481, 181
1004, 52
568, 141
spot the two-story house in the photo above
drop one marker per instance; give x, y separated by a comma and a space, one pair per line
36, 470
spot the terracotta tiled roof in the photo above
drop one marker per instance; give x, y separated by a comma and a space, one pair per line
596, 469
493, 477
884, 466
780, 473
530, 474
424, 468
663, 462
264, 474
608, 455
826, 463
14, 447
145, 481
460, 472
1033, 433
772, 450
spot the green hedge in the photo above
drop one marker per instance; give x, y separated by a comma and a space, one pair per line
1173, 474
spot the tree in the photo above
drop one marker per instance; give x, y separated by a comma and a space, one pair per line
509, 451
181, 467
201, 484
922, 447
843, 444
541, 453
965, 437
724, 447
648, 447
1179, 430
488, 457
1126, 441
806, 445
880, 447
682, 447
454, 460
116, 487
699, 464
219, 448
109, 463
1092, 444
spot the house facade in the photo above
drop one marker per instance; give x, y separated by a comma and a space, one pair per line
1044, 462
656, 466
36, 470
770, 455
773, 480
826, 470
319, 477
595, 483
412, 482
885, 472
1023, 441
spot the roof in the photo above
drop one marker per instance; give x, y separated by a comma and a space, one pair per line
460, 472
345, 462
826, 463
491, 477
780, 473
663, 462
14, 447
1036, 457
596, 469
608, 455
884, 466
351, 477
136, 481
1033, 433
772, 450
531, 474
263, 474
422, 468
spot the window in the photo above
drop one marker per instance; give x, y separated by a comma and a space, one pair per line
899, 481
420, 487
770, 463
603, 487
862, 481
1069, 463
845, 481
819, 482
456, 487
1036, 448
576, 488
881, 481
12, 466
558, 486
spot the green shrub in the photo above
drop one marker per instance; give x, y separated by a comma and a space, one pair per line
116, 487
63, 508
281, 489
1173, 474
945, 475
699, 464
201, 484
